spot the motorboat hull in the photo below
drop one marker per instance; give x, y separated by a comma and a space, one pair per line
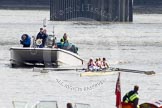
55, 56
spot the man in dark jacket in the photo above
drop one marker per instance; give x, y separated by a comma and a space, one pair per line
132, 97
25, 40
41, 35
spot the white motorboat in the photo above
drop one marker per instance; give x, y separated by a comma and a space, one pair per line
33, 56
48, 56
45, 104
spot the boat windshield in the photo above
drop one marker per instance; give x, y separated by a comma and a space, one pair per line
81, 105
46, 104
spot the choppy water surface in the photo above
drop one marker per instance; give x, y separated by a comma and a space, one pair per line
134, 45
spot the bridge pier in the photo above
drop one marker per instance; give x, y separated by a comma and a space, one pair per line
99, 10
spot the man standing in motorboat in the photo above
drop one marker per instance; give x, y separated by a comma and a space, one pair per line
41, 38
25, 40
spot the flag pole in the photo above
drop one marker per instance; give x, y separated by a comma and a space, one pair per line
118, 92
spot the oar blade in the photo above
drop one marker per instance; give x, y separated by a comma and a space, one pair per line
133, 71
149, 73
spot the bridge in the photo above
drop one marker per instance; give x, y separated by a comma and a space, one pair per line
99, 10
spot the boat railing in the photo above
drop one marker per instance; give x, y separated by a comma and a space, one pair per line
20, 104
44, 104
81, 105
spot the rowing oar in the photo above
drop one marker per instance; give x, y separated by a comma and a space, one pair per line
46, 70
133, 71
63, 69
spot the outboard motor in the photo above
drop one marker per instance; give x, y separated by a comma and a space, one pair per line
67, 46
50, 41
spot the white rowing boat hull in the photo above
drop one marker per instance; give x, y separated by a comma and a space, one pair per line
98, 73
20, 56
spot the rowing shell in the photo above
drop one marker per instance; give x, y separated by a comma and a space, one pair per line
98, 73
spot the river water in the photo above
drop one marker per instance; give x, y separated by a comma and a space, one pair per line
134, 45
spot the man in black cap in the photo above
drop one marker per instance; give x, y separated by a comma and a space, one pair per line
132, 97
41, 36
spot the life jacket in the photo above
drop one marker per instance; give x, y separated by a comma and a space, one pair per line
131, 98
62, 40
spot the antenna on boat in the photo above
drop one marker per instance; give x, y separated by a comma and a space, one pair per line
53, 30
44, 22
54, 37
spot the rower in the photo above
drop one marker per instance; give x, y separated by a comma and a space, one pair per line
104, 64
91, 65
98, 63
